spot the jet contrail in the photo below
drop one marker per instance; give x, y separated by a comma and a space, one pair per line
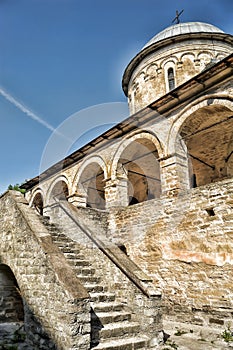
26, 110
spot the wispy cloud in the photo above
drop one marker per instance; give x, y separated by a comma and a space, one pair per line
26, 110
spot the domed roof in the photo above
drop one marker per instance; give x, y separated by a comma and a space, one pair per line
183, 28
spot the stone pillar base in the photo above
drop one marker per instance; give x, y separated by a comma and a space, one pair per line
78, 200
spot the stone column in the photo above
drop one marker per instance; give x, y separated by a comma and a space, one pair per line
174, 174
116, 192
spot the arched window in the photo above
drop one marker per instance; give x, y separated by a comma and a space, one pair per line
171, 79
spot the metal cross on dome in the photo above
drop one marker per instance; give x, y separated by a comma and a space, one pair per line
177, 18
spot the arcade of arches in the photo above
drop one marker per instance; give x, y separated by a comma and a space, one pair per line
205, 138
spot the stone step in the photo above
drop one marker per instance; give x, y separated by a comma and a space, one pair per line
59, 236
93, 287
224, 304
88, 279
82, 264
110, 317
102, 297
75, 251
132, 343
66, 249
73, 256
119, 329
54, 232
84, 271
106, 306
64, 244
45, 219
60, 244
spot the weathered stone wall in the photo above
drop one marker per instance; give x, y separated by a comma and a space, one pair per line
185, 244
51, 292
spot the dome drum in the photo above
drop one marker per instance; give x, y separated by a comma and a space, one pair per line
186, 48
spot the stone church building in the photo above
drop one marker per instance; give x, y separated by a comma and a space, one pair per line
135, 228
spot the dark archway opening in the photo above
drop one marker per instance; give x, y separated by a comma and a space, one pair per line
11, 306
92, 183
207, 134
60, 191
139, 162
38, 203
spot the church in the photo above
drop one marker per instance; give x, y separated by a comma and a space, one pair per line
134, 229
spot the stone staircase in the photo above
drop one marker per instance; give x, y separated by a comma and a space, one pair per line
111, 323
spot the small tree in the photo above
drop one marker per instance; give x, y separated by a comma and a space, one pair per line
16, 187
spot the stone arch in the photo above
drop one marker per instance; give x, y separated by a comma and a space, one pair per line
203, 136
90, 182
139, 78
11, 306
88, 160
187, 65
205, 58
37, 201
205, 53
137, 160
187, 54
220, 56
173, 136
167, 61
59, 188
151, 69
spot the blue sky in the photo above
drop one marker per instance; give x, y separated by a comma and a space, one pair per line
58, 57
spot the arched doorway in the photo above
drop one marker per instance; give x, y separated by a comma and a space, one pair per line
207, 134
139, 162
11, 305
91, 182
38, 203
